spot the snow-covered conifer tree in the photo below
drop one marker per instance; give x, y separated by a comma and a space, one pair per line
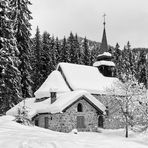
78, 50
86, 52
36, 60
45, 57
64, 51
21, 17
72, 48
10, 93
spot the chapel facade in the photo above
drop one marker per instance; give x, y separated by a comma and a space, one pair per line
74, 96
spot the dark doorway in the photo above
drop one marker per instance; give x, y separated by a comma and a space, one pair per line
100, 121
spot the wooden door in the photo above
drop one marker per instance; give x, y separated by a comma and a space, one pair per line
100, 121
46, 122
80, 122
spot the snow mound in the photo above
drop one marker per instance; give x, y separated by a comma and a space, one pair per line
6, 118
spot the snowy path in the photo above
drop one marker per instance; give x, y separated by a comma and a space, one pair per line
13, 135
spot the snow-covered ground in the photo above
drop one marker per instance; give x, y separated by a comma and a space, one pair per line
14, 135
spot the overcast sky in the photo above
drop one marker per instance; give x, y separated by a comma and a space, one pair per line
126, 20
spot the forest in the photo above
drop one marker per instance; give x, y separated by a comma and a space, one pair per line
26, 61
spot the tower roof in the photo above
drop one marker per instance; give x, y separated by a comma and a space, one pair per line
104, 46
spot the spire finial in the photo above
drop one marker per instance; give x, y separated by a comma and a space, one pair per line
104, 15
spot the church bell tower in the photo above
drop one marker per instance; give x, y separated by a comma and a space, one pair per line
104, 59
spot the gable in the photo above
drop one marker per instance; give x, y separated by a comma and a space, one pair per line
85, 99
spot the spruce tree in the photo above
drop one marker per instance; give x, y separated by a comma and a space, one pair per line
35, 60
10, 93
86, 52
141, 68
53, 54
127, 62
117, 58
64, 51
45, 56
93, 54
21, 15
71, 48
78, 51
57, 50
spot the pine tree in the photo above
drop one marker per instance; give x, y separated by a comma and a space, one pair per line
57, 50
117, 58
78, 50
93, 54
45, 56
21, 15
35, 60
53, 61
10, 93
128, 62
141, 68
86, 52
72, 48
64, 51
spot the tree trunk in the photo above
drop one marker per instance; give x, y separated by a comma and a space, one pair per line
126, 118
126, 128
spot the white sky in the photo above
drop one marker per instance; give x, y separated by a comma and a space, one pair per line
127, 20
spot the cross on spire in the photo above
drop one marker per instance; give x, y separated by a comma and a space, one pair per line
104, 46
104, 15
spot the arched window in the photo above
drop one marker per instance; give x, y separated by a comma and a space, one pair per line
79, 108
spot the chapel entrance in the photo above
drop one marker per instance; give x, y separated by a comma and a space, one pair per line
100, 121
80, 122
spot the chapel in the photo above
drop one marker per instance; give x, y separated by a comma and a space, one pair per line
74, 96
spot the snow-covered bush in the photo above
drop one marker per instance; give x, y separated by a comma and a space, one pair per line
22, 116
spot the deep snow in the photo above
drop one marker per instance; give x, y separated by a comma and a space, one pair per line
14, 135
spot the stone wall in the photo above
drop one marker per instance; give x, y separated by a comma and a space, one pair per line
115, 119
66, 121
54, 121
69, 118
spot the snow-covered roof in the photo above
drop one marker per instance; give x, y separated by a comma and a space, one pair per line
54, 82
105, 54
82, 77
63, 101
107, 63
